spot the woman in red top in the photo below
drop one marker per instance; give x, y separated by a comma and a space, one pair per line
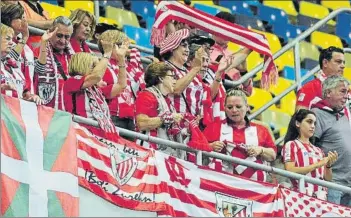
238, 137
301, 156
154, 113
81, 94
84, 24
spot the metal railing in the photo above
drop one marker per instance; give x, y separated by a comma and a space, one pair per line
302, 178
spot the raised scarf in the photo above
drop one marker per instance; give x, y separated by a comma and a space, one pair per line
174, 10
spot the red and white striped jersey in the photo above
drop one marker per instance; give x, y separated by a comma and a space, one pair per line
13, 76
252, 134
304, 155
123, 104
193, 94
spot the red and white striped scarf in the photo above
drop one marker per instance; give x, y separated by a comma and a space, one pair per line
173, 10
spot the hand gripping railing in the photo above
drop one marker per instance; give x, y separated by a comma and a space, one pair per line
301, 178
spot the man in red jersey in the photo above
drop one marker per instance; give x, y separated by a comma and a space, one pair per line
331, 62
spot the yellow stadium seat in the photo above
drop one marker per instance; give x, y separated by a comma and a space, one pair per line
258, 98
276, 118
281, 86
122, 17
272, 39
335, 4
347, 73
252, 61
205, 2
55, 10
347, 60
85, 5
221, 8
286, 5
233, 47
324, 40
287, 59
314, 10
108, 21
288, 103
307, 50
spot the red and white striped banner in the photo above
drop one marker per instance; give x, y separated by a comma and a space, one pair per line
174, 10
301, 205
193, 191
123, 174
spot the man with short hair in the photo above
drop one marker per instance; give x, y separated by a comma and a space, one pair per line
333, 133
49, 85
331, 62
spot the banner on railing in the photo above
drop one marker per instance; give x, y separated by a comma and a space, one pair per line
38, 161
301, 205
122, 173
194, 191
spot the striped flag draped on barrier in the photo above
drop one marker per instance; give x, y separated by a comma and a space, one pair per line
173, 10
38, 161
194, 191
122, 173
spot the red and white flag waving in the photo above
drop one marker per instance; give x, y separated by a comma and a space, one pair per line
122, 173
193, 191
174, 10
301, 205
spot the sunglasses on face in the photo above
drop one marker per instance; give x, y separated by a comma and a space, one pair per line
60, 36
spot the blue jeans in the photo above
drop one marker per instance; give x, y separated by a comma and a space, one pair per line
338, 197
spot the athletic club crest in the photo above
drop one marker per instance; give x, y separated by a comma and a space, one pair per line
123, 166
229, 206
46, 91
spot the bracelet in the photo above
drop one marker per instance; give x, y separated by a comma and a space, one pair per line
121, 66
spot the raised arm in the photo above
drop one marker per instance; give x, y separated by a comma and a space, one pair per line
99, 70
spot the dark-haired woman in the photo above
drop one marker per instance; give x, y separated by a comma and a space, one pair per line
301, 156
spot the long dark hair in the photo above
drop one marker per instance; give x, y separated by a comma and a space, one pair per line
293, 132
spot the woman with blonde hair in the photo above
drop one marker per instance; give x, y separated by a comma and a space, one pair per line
122, 107
13, 82
82, 95
84, 24
238, 137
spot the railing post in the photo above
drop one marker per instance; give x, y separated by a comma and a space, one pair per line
199, 158
297, 65
302, 187
97, 10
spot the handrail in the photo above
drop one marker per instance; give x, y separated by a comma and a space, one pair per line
224, 157
288, 46
95, 47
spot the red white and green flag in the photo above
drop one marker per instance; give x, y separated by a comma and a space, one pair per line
38, 161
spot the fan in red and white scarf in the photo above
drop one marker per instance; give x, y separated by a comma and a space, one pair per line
83, 97
238, 137
173, 10
84, 24
333, 63
122, 107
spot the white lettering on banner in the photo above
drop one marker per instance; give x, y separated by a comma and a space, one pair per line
32, 172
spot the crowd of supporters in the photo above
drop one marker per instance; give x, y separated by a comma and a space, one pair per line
179, 97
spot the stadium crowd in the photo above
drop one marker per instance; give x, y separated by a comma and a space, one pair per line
180, 96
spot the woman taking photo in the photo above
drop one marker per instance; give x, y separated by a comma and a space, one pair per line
301, 156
